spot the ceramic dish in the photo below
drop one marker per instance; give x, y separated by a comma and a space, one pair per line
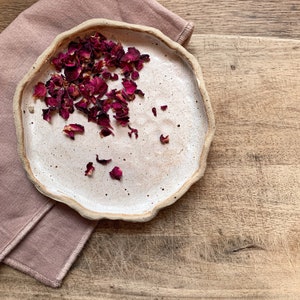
155, 175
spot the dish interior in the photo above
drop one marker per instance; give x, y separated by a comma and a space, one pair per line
152, 172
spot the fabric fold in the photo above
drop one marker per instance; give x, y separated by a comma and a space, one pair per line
39, 236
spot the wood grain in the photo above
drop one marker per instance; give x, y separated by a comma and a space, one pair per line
236, 233
272, 18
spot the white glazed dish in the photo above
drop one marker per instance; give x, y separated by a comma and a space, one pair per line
154, 175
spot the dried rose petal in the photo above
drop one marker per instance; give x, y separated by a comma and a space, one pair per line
164, 107
105, 132
66, 108
47, 114
130, 86
139, 65
84, 55
145, 57
131, 55
127, 69
55, 85
103, 120
72, 73
103, 162
40, 90
154, 111
50, 101
58, 61
82, 105
139, 92
114, 77
133, 131
135, 75
73, 91
164, 139
71, 129
116, 173
100, 86
121, 114
89, 169
106, 74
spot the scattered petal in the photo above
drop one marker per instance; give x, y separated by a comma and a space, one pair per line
164, 107
71, 129
139, 92
47, 114
105, 132
116, 173
154, 111
164, 139
103, 162
89, 169
133, 131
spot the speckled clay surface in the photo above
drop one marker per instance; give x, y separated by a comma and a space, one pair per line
154, 175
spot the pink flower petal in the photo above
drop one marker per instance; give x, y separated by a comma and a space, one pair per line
82, 105
71, 129
72, 73
47, 114
105, 132
73, 91
116, 173
40, 90
89, 169
135, 75
50, 101
164, 139
59, 61
103, 120
131, 55
130, 86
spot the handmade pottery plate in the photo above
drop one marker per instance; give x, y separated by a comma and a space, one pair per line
155, 174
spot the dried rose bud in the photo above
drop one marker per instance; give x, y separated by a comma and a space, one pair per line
89, 169
116, 173
71, 129
164, 139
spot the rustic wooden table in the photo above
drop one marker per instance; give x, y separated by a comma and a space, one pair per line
235, 234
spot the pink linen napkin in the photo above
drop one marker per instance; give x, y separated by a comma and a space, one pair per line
39, 236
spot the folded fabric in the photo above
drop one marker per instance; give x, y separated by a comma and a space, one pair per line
39, 236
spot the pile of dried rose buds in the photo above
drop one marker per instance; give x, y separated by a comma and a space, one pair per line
81, 81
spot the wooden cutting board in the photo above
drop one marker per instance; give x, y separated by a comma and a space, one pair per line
236, 233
